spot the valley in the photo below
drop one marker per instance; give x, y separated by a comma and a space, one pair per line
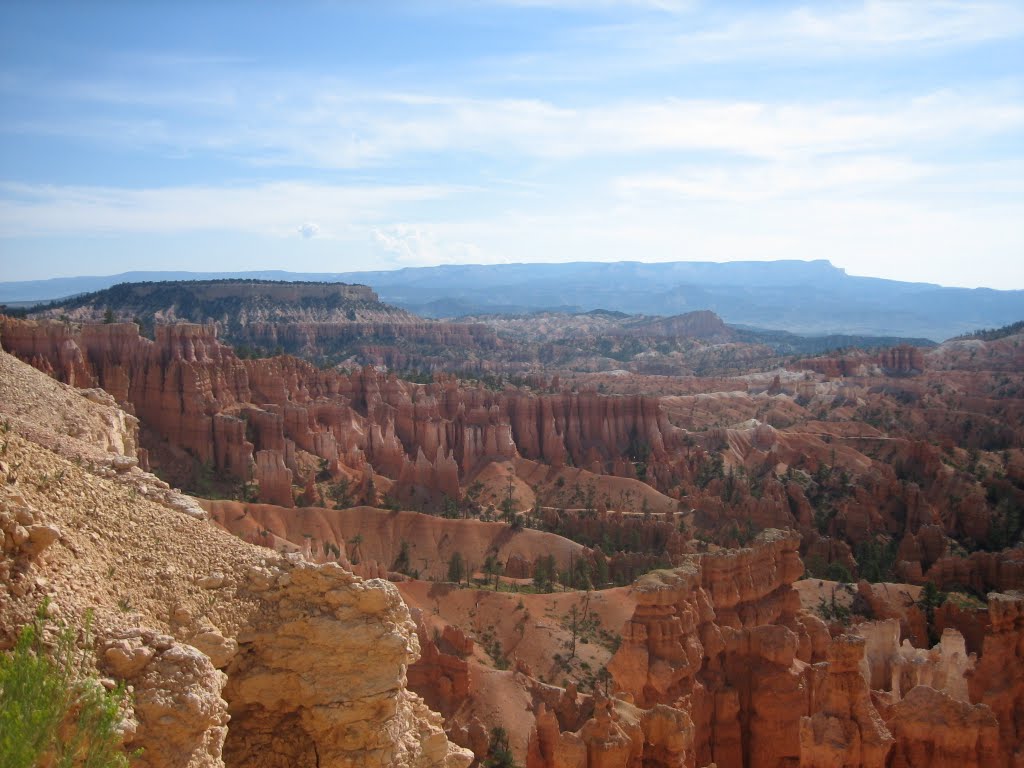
597, 539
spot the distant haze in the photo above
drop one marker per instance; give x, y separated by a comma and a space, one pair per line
801, 297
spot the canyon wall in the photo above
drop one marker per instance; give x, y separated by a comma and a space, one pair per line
249, 417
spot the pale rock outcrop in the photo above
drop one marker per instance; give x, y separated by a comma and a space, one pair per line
220, 649
946, 667
181, 719
881, 647
319, 679
889, 666
23, 538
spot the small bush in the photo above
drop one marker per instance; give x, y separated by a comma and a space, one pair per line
836, 571
499, 755
53, 710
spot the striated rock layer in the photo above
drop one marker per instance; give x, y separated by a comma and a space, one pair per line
233, 414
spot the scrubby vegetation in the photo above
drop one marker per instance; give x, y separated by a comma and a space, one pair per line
53, 709
993, 334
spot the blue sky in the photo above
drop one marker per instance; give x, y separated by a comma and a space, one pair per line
887, 137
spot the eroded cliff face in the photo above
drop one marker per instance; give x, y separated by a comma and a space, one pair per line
713, 666
720, 648
250, 418
933, 729
903, 360
998, 681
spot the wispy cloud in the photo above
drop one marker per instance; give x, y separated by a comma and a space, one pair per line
824, 28
333, 127
846, 29
280, 209
811, 31
606, 46
751, 182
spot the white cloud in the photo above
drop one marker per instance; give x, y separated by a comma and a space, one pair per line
759, 129
769, 33
421, 245
723, 31
309, 230
611, 47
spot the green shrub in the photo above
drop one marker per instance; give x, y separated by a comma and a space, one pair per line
499, 755
53, 710
836, 571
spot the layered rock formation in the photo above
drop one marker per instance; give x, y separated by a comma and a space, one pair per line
903, 360
197, 395
327, 321
702, 324
713, 648
843, 482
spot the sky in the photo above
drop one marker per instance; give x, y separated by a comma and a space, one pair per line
886, 137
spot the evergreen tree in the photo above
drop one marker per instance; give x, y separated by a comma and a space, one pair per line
498, 753
456, 568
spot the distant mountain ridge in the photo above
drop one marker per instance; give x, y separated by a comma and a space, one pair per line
796, 296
